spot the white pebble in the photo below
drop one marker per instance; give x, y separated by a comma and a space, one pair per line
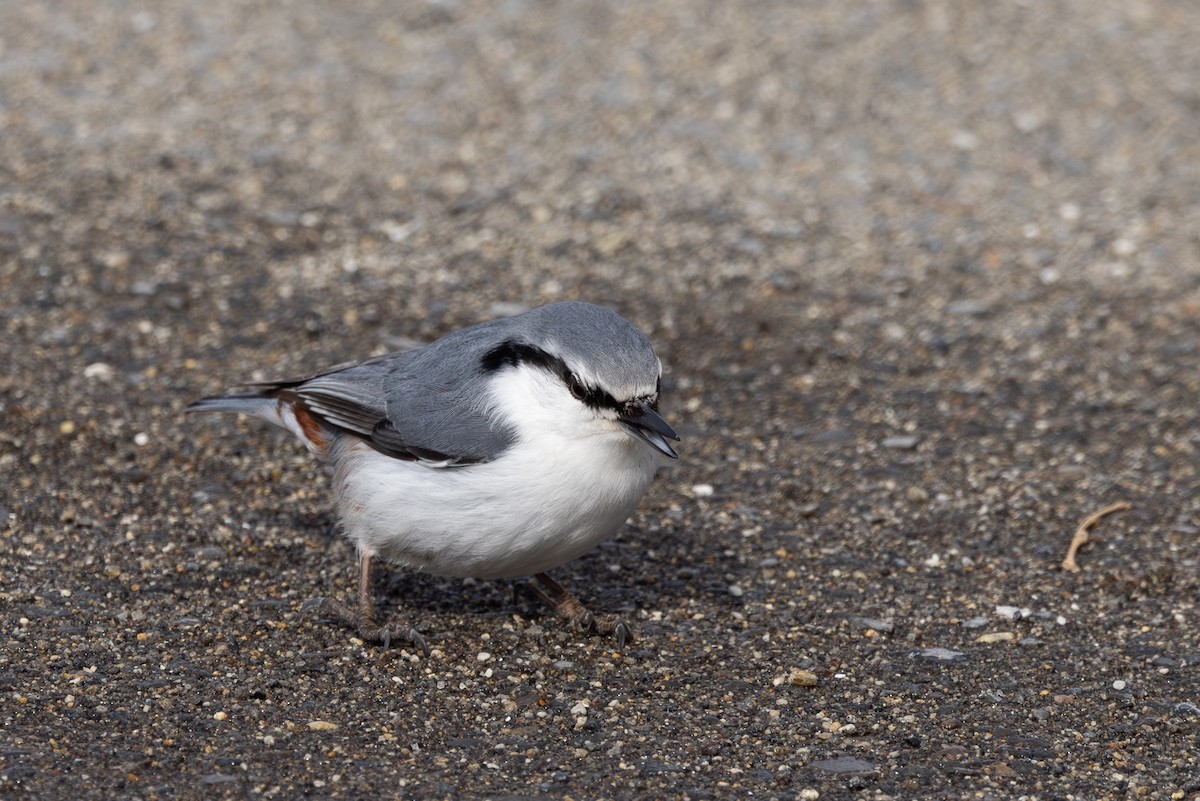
1119, 684
483, 656
99, 370
964, 140
141, 439
702, 490
1069, 211
1028, 121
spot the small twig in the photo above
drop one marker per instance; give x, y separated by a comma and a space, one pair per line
1081, 533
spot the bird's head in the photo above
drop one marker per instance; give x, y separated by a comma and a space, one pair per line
587, 362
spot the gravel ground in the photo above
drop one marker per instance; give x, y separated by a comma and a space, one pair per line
926, 279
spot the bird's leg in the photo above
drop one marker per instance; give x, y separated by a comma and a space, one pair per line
363, 619
564, 604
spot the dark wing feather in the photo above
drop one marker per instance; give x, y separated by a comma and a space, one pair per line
440, 422
438, 408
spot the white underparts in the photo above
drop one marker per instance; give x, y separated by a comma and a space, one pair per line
570, 479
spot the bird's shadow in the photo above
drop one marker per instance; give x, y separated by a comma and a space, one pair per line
613, 578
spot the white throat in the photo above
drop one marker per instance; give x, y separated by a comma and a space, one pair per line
539, 406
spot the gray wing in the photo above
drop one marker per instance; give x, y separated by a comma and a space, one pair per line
409, 406
440, 424
436, 406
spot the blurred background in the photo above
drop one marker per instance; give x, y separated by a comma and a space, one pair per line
924, 276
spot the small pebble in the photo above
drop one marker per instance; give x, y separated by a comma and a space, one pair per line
1013, 612
1124, 246
141, 439
799, 677
834, 435
844, 765
322, 725
1119, 684
906, 443
966, 308
996, 636
99, 371
507, 309
939, 654
483, 656
1028, 121
872, 623
964, 140
702, 490
736, 591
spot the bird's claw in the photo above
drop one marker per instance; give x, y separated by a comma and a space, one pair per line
623, 633
585, 621
366, 626
579, 616
373, 632
310, 605
610, 625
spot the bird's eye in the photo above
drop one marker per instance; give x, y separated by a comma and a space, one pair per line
576, 386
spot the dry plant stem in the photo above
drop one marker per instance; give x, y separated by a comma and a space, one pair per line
1081, 533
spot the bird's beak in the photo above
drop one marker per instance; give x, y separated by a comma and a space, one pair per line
644, 423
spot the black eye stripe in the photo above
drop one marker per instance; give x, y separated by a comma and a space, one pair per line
576, 386
511, 354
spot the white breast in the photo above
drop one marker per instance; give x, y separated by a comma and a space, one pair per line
568, 482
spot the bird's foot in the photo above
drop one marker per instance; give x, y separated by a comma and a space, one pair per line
365, 624
613, 626
579, 616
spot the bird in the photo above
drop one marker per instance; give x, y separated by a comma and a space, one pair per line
499, 451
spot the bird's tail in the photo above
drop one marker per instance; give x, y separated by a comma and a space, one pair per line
266, 404
256, 404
